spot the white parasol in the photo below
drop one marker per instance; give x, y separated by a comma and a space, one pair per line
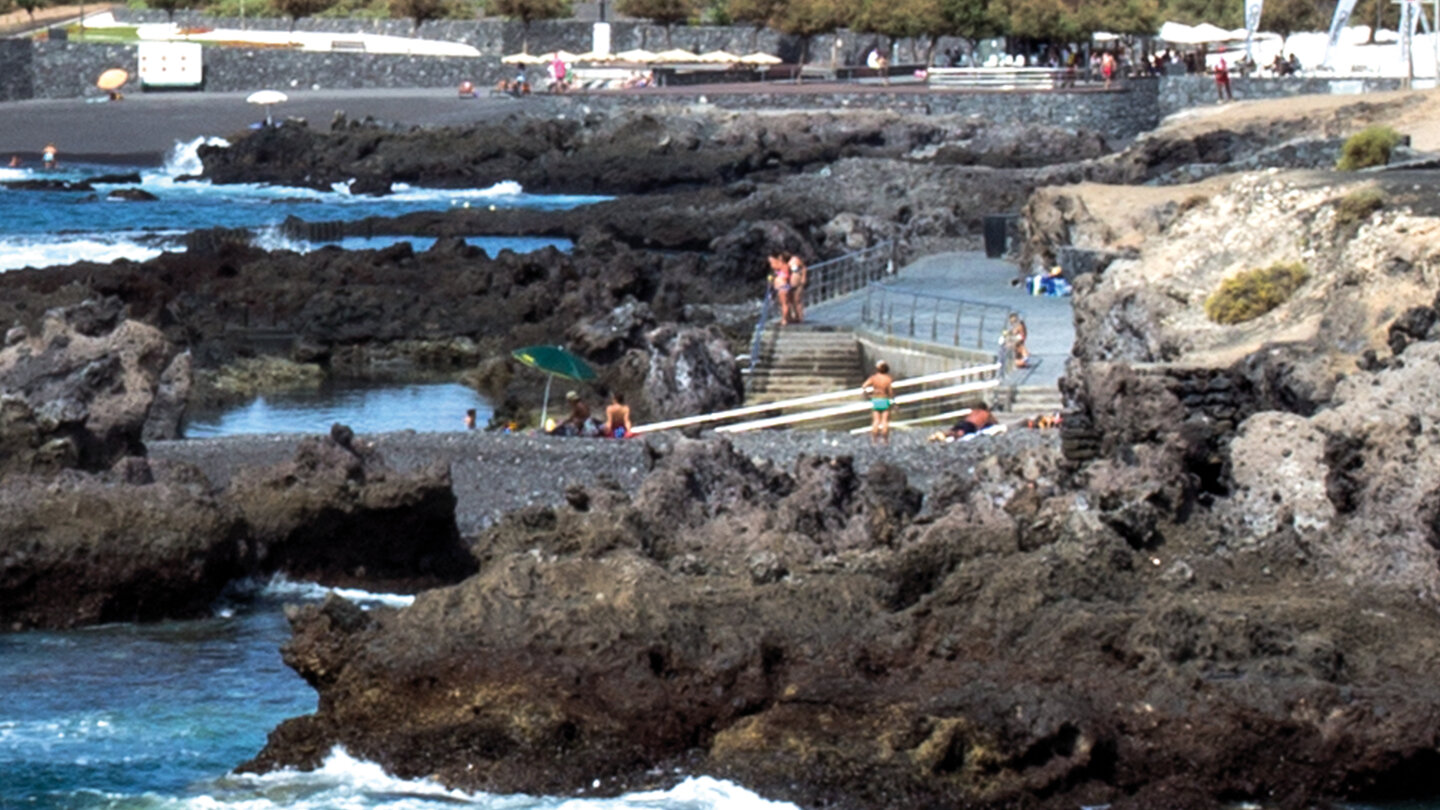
266, 98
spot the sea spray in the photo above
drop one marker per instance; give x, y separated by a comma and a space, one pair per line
343, 780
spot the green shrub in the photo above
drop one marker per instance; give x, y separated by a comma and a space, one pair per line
1369, 147
1254, 292
1357, 206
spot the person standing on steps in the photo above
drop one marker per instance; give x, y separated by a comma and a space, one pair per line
1014, 340
780, 280
47, 157
880, 388
799, 274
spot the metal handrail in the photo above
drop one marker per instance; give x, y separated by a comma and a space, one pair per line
931, 317
765, 304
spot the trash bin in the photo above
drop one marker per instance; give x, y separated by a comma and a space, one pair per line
996, 229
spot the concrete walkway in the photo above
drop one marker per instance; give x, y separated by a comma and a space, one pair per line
970, 275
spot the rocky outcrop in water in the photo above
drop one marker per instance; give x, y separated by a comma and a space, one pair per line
149, 540
829, 639
629, 152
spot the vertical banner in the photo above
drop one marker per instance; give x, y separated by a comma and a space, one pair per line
1252, 24
1343, 10
1407, 22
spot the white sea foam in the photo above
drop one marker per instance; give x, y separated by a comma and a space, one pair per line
49, 251
343, 781
184, 158
281, 587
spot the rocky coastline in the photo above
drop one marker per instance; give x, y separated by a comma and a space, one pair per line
1216, 585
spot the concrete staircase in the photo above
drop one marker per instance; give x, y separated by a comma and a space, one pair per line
1028, 400
799, 360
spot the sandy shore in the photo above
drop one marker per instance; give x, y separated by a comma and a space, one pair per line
144, 126
496, 473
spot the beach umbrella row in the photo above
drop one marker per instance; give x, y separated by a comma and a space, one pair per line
639, 55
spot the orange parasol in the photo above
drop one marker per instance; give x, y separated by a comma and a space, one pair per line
112, 79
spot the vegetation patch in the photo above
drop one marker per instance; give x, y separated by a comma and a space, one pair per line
1253, 293
1357, 206
1370, 146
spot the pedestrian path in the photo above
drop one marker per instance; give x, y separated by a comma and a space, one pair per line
973, 277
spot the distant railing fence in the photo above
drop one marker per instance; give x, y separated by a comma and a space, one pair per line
933, 317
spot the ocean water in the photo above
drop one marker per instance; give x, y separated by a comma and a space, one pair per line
48, 228
133, 717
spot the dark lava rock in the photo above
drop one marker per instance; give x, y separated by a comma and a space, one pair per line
131, 194
127, 178
338, 515
814, 637
150, 540
79, 392
49, 185
143, 542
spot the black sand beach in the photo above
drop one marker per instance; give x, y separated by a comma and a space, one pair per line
144, 126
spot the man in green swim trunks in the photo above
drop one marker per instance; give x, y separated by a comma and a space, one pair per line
880, 387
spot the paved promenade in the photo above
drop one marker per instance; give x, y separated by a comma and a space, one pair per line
971, 276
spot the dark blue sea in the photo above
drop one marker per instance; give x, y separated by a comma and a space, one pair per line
46, 228
133, 717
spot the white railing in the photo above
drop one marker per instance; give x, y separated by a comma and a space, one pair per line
987, 370
1005, 78
858, 407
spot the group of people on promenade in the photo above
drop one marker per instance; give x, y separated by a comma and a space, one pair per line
788, 276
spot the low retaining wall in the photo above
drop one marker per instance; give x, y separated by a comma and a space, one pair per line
1176, 93
913, 358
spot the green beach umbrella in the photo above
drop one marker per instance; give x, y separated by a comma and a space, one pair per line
555, 361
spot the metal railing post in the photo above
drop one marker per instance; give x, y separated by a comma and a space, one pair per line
914, 302
935, 322
959, 316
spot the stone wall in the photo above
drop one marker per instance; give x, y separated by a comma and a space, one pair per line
69, 69
17, 69
1119, 114
1178, 93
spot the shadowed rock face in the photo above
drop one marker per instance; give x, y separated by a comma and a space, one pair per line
152, 540
819, 637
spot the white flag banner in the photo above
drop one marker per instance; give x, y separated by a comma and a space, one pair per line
1343, 10
1252, 23
1407, 27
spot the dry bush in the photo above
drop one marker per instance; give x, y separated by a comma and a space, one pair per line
1253, 293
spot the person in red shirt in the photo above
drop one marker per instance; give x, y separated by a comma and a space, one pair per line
1222, 78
